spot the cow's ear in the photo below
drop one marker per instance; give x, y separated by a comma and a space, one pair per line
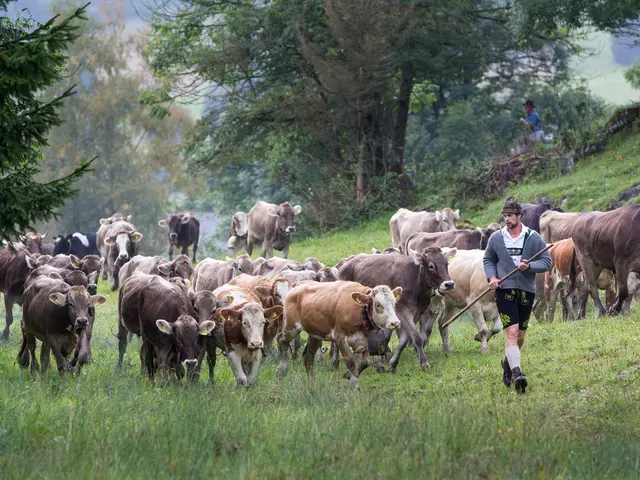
263, 290
93, 276
438, 215
205, 328
58, 298
273, 313
163, 223
165, 269
449, 252
105, 221
229, 314
164, 326
397, 292
75, 261
98, 300
110, 241
186, 218
43, 235
136, 236
230, 261
457, 214
361, 298
297, 209
31, 262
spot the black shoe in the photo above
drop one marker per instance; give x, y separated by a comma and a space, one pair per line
507, 377
520, 380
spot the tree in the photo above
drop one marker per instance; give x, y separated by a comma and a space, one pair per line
632, 75
31, 59
139, 169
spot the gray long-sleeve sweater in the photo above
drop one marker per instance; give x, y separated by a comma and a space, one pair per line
498, 262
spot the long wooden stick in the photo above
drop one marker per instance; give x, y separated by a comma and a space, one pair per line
475, 300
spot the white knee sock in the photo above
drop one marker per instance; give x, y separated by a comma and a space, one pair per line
513, 356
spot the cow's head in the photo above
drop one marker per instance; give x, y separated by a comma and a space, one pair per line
182, 283
32, 241
205, 304
328, 274
43, 260
485, 234
92, 263
241, 264
184, 333
253, 319
180, 267
381, 302
435, 266
174, 223
116, 217
446, 219
78, 303
285, 215
238, 232
123, 244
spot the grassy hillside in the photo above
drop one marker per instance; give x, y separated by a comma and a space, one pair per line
592, 184
579, 419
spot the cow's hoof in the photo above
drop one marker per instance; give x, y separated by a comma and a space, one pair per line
242, 383
425, 366
613, 312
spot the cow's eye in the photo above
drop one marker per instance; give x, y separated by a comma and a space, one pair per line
378, 305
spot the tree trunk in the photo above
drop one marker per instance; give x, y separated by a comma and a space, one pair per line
404, 100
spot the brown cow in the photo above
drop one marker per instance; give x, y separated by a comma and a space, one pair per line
58, 315
184, 231
33, 241
238, 232
271, 226
460, 239
334, 311
420, 275
240, 333
404, 223
157, 265
89, 264
14, 270
123, 242
162, 315
607, 240
467, 271
273, 266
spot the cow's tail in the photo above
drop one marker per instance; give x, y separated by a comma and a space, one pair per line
24, 356
572, 274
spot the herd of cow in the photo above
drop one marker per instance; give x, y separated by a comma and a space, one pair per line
240, 305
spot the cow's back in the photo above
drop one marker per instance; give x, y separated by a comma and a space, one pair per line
40, 315
161, 300
556, 226
260, 223
210, 274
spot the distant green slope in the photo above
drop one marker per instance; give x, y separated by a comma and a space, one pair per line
592, 184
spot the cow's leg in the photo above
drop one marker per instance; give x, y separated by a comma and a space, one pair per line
343, 346
551, 303
236, 366
266, 248
591, 272
61, 360
444, 335
170, 251
497, 323
195, 249
9, 300
622, 278
210, 351
122, 343
408, 332
284, 341
249, 246
254, 368
334, 355
297, 343
45, 350
481, 326
313, 344
365, 362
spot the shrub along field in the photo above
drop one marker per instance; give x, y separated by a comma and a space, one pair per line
580, 417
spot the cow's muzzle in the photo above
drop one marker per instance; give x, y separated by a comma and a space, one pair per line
190, 363
82, 322
256, 345
290, 229
173, 237
92, 289
448, 285
393, 325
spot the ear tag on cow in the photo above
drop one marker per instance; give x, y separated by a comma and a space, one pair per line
358, 301
164, 329
229, 298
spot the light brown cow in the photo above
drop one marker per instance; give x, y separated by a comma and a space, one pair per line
240, 333
404, 223
100, 236
271, 226
157, 265
210, 274
334, 311
467, 271
606, 240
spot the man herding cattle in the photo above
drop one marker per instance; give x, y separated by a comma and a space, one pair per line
507, 248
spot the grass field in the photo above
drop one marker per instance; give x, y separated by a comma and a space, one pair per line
579, 419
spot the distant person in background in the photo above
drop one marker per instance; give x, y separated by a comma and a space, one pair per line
533, 122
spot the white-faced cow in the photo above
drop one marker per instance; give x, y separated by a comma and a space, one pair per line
344, 312
271, 226
404, 223
420, 275
105, 223
184, 231
122, 241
